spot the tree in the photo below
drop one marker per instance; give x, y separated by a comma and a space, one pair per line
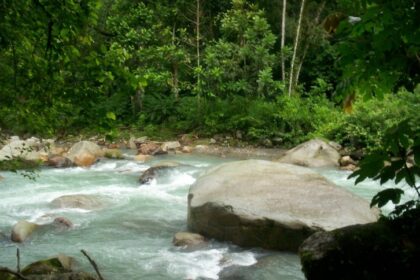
241, 61
381, 51
295, 49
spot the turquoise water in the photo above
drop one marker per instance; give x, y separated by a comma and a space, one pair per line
131, 237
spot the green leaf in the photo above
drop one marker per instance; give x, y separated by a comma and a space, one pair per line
111, 116
383, 197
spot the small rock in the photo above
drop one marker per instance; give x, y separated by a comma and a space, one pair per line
22, 230
347, 160
170, 146
187, 149
201, 148
59, 162
142, 158
150, 148
1, 178
134, 143
151, 174
212, 141
188, 239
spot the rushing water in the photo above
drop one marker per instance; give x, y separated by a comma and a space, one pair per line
131, 238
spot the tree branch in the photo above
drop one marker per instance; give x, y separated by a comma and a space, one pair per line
94, 265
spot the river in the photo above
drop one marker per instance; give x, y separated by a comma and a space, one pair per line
131, 238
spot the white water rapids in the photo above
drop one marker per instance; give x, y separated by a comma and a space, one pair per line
131, 238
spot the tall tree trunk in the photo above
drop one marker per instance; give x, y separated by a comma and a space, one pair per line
197, 42
283, 39
292, 64
175, 79
306, 49
137, 101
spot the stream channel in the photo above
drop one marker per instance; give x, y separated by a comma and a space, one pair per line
131, 238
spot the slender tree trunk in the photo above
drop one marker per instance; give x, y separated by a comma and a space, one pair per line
175, 80
197, 42
283, 39
292, 64
137, 101
306, 49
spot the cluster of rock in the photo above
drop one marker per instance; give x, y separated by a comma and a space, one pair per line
23, 230
284, 205
60, 267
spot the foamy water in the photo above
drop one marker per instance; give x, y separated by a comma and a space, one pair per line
131, 237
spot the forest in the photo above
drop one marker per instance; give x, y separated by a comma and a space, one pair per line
247, 74
268, 69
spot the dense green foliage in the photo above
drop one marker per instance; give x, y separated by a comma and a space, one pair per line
207, 67
365, 128
398, 160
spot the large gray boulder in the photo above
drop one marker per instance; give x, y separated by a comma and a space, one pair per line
270, 205
313, 153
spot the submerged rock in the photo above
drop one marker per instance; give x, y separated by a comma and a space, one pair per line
22, 230
154, 171
83, 201
151, 173
62, 223
188, 239
270, 205
381, 250
314, 153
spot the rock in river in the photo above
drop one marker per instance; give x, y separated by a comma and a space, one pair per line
83, 201
314, 153
188, 239
22, 230
270, 205
84, 153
